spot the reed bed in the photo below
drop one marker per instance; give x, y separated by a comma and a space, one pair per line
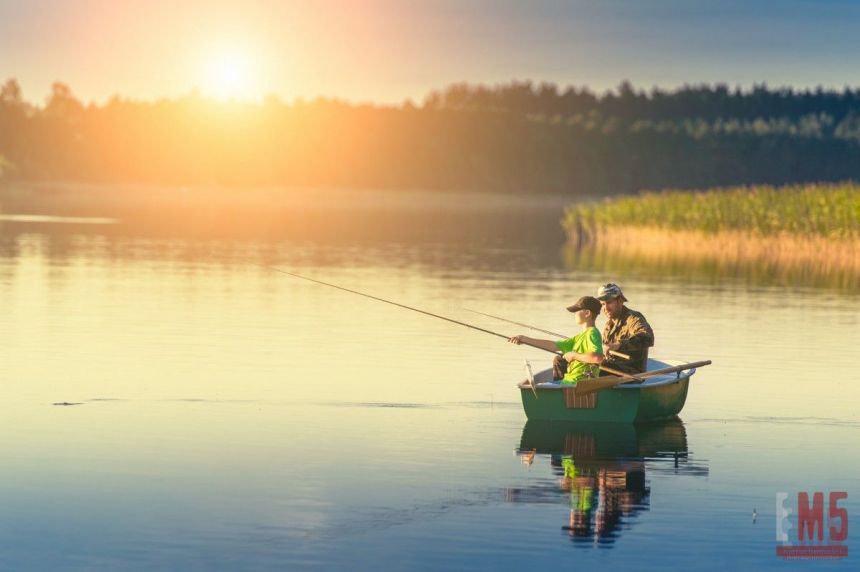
813, 228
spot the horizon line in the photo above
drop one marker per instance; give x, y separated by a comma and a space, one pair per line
743, 88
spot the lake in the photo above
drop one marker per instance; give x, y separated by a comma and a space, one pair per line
172, 402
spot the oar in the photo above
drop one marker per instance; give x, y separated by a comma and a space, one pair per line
399, 305
535, 328
633, 376
531, 378
586, 386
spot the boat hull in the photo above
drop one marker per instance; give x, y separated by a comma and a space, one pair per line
654, 400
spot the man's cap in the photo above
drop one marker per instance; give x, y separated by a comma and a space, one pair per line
586, 303
610, 291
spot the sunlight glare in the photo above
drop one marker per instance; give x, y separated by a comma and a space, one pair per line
229, 75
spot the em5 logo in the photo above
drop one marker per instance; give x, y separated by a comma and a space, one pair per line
810, 527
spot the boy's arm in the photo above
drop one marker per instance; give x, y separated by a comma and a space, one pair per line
595, 355
548, 345
589, 357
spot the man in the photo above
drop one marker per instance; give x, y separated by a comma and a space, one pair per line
581, 354
627, 331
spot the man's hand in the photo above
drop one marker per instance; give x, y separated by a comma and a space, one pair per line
611, 347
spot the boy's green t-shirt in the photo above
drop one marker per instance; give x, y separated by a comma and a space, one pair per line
586, 341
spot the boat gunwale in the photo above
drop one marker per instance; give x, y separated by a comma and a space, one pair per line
656, 381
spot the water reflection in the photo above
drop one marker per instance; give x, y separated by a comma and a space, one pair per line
681, 267
226, 227
417, 231
201, 436
600, 471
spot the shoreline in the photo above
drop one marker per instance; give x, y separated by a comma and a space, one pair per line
96, 195
730, 249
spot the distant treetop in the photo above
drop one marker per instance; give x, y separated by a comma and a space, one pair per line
708, 102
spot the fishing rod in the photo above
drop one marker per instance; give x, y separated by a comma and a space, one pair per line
453, 321
611, 352
518, 323
294, 275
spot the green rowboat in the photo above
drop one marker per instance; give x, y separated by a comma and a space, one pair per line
658, 397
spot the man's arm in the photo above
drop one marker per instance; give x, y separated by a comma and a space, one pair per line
638, 335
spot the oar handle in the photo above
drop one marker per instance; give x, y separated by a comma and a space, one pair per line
621, 373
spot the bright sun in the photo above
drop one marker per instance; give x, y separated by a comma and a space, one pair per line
229, 75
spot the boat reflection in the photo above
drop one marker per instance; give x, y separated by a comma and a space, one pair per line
600, 470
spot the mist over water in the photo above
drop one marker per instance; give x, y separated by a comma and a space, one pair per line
219, 415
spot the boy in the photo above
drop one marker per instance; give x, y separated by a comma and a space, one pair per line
583, 353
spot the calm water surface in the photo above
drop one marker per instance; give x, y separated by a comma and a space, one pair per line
227, 417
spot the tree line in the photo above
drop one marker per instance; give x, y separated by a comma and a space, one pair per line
515, 137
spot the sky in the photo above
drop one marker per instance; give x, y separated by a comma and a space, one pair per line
387, 51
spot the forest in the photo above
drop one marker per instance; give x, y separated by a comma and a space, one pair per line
519, 137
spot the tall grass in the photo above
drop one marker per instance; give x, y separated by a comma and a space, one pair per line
822, 210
